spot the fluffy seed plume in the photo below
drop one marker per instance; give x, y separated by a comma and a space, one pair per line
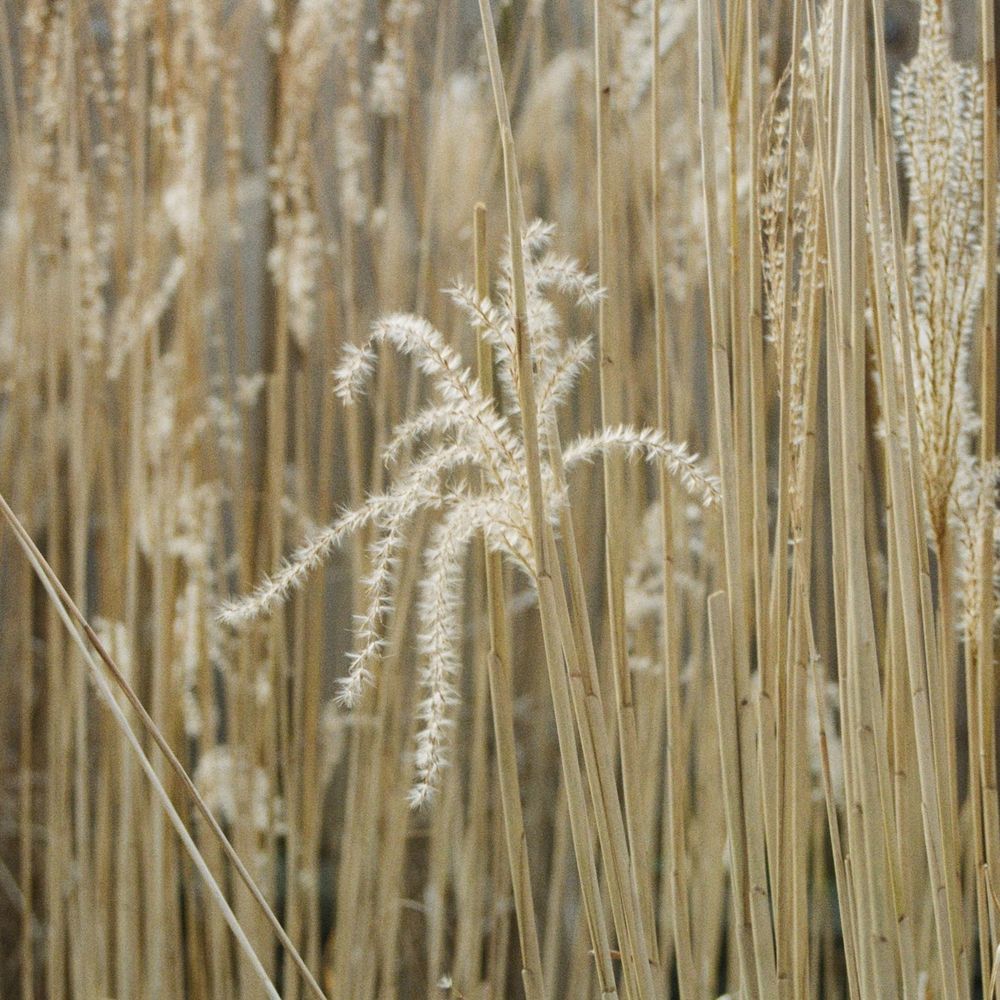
466, 468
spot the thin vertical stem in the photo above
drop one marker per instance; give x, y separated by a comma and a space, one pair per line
676, 746
499, 670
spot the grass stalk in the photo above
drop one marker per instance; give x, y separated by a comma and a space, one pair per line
67, 607
498, 666
81, 634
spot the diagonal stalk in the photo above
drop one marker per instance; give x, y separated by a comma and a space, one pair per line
80, 632
77, 624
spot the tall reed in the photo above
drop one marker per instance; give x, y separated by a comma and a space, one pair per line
337, 667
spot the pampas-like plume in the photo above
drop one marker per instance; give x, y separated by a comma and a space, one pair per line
651, 444
938, 117
469, 468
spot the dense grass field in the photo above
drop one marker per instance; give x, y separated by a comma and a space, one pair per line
498, 500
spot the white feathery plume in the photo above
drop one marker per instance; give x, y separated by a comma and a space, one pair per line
651, 444
467, 467
352, 374
440, 611
937, 112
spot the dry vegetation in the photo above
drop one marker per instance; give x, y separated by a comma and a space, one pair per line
405, 597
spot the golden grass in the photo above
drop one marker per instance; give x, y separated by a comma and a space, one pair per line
334, 666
